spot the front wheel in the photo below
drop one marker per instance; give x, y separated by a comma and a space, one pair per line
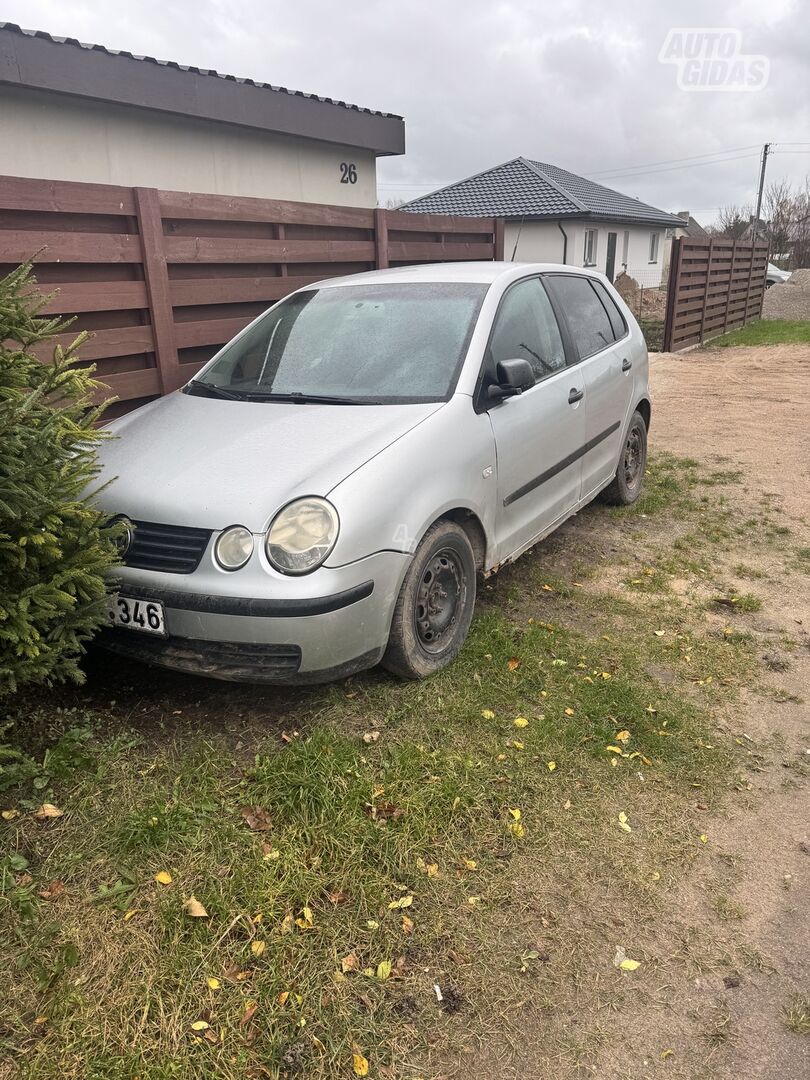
434, 608
629, 479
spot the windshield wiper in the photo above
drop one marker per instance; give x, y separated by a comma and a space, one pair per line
214, 391
298, 398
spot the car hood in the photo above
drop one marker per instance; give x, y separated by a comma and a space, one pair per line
209, 463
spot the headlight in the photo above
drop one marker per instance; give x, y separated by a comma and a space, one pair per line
302, 535
234, 547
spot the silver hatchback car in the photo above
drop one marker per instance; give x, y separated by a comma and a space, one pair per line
322, 495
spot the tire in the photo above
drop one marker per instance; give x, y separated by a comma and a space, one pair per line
628, 482
435, 605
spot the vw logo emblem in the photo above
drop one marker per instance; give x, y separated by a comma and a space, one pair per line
124, 537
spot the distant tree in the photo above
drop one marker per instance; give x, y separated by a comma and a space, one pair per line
732, 221
55, 547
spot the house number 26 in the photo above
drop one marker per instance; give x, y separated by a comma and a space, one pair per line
348, 172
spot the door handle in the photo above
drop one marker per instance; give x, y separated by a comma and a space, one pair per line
626, 364
575, 395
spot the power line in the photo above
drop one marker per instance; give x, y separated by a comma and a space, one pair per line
671, 168
671, 161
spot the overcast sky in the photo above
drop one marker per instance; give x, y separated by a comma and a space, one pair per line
573, 82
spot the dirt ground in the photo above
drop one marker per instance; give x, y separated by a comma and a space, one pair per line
711, 1017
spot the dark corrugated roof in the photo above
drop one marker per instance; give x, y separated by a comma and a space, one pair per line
523, 188
42, 35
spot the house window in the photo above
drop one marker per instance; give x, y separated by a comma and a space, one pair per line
625, 247
589, 254
654, 239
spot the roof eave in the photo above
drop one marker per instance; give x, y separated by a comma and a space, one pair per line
42, 63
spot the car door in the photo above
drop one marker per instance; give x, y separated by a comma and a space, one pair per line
594, 323
538, 434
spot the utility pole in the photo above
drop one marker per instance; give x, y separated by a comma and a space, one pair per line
765, 151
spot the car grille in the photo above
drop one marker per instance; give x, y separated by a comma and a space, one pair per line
172, 549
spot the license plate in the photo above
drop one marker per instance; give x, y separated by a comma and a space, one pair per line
132, 614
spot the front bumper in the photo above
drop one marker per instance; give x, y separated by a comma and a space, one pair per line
326, 625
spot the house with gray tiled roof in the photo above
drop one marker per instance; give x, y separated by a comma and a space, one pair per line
553, 215
110, 117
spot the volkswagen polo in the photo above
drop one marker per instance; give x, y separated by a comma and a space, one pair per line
322, 495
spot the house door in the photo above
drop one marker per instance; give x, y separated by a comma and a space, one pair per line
610, 263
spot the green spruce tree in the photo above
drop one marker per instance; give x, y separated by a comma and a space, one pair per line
54, 547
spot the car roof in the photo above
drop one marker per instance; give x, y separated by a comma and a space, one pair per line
482, 272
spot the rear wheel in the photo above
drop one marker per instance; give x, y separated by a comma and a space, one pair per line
629, 479
435, 605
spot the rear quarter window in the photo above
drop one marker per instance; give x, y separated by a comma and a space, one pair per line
584, 312
613, 313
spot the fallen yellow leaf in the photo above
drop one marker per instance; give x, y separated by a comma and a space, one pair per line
9, 815
306, 920
407, 925
287, 924
623, 822
659, 633
199, 1025
213, 984
47, 812
514, 811
629, 965
194, 908
516, 829
359, 1064
349, 963
283, 997
402, 902
383, 969
163, 877
488, 714
520, 721
431, 869
372, 924
623, 736
703, 838
257, 947
551, 765
470, 864
513, 663
569, 712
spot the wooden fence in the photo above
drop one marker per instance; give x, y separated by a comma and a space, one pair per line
164, 278
714, 286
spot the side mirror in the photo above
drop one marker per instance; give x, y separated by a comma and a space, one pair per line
514, 376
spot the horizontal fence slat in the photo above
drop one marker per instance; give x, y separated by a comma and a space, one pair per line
441, 252
200, 207
208, 331
76, 297
209, 249
118, 341
18, 245
192, 291
437, 223
133, 384
64, 196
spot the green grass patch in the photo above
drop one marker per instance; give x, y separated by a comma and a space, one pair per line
765, 332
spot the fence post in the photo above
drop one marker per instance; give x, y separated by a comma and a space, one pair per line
380, 238
706, 289
156, 275
672, 291
730, 283
498, 240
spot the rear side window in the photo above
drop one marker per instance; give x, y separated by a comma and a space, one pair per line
526, 328
585, 313
615, 316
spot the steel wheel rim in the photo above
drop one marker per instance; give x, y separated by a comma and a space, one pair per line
438, 599
633, 453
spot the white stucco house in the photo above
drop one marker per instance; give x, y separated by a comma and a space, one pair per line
71, 111
556, 216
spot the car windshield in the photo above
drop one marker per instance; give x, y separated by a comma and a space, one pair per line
385, 343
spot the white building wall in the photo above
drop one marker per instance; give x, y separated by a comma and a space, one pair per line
542, 241
54, 137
